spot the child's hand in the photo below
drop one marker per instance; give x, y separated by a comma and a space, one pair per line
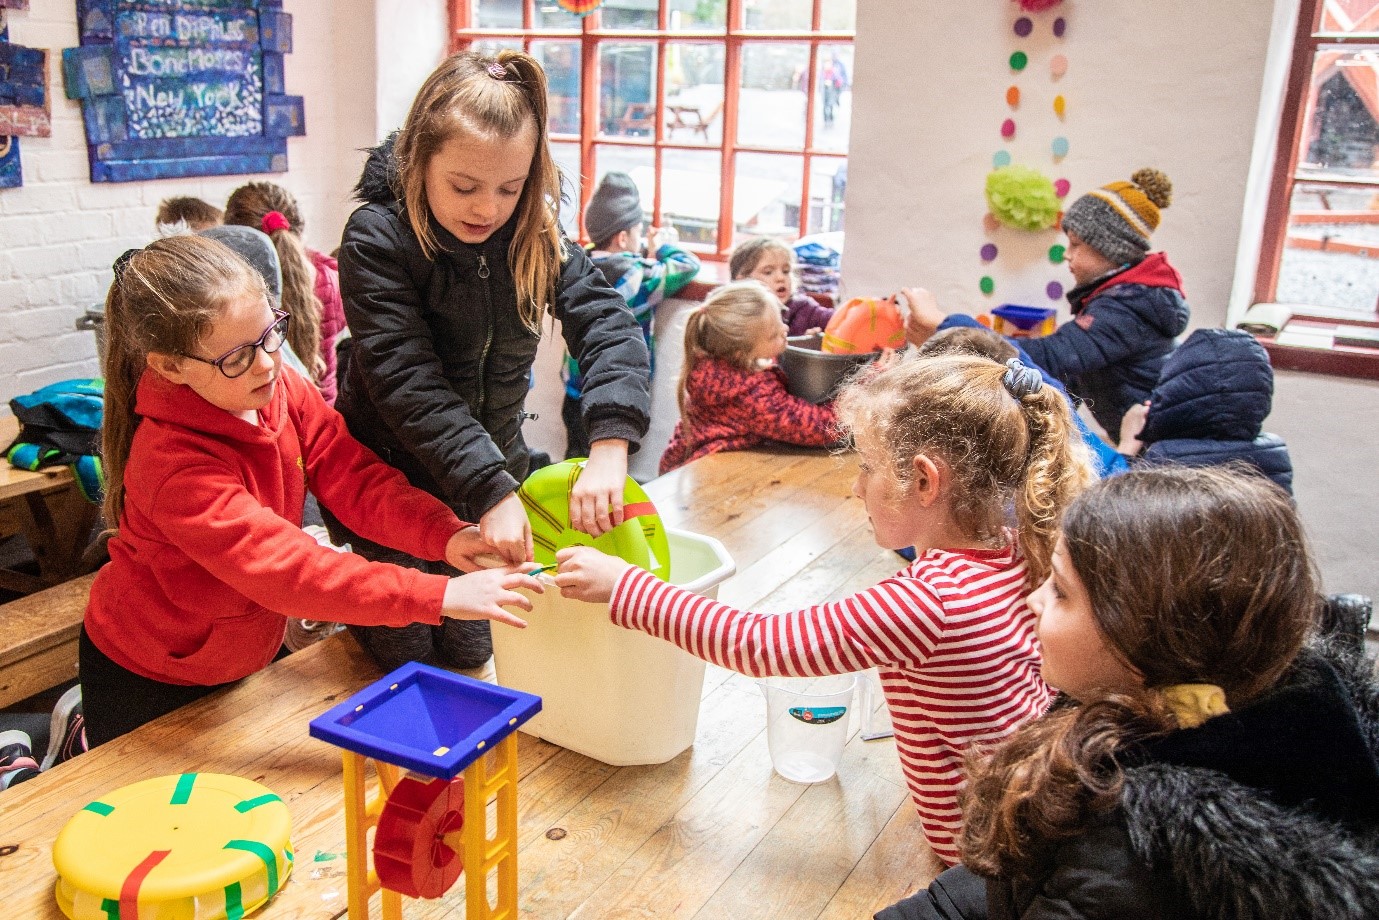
922, 315
1131, 424
588, 575
661, 236
505, 528
464, 546
483, 595
596, 499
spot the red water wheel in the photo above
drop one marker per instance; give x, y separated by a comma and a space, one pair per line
410, 850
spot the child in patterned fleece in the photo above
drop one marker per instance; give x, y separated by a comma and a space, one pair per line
732, 395
770, 261
947, 444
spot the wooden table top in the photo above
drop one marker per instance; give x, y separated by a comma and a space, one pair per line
711, 834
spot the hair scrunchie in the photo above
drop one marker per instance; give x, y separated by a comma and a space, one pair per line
274, 221
1020, 379
497, 71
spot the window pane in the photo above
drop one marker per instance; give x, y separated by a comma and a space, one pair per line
566, 156
833, 98
838, 16
771, 110
1340, 130
627, 89
777, 15
699, 15
691, 183
492, 46
1351, 16
828, 180
498, 14
551, 16
766, 196
694, 93
629, 14
561, 60
1331, 254
637, 162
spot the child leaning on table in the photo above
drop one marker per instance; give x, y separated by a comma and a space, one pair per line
946, 445
1208, 764
772, 262
209, 447
732, 395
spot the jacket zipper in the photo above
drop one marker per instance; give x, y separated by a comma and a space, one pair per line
488, 339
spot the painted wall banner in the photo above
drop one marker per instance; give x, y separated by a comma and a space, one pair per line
183, 87
11, 169
24, 108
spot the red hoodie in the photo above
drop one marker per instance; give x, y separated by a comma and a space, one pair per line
210, 555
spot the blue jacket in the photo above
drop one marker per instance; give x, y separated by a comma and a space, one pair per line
1123, 326
1210, 404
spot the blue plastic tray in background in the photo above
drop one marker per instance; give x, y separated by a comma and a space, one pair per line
431, 721
1024, 317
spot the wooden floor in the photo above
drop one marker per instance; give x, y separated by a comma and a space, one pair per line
711, 834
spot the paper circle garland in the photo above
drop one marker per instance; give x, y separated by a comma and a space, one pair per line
1008, 128
987, 284
1024, 26
1061, 187
989, 252
1022, 198
1060, 147
1013, 97
1001, 158
1058, 66
1057, 253
1060, 106
989, 222
1060, 25
1019, 60
1054, 290
1037, 6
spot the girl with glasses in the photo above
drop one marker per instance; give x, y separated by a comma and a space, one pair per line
209, 446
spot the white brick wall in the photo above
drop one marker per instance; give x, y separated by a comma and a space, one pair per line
59, 232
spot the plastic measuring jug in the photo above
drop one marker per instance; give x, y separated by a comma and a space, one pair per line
807, 724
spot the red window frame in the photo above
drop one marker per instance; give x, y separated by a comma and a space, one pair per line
734, 39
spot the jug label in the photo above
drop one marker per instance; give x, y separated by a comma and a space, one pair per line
820, 716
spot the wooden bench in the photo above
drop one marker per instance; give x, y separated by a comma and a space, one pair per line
38, 639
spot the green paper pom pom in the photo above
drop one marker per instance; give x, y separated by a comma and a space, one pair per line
1022, 198
987, 284
1057, 253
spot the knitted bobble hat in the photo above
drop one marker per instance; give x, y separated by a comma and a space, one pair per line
615, 206
1117, 219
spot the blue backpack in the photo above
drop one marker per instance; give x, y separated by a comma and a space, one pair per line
61, 424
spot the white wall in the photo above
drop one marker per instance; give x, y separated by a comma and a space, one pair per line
60, 232
1174, 84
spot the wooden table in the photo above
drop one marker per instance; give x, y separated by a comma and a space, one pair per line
712, 834
49, 509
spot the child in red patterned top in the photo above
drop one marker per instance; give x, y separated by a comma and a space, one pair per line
732, 395
947, 444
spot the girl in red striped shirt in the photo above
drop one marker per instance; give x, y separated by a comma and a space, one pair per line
947, 445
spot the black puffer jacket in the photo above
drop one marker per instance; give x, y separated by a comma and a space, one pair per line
438, 376
1271, 811
1210, 404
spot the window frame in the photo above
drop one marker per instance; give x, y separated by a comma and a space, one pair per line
734, 39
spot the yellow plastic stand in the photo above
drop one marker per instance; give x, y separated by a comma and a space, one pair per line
491, 777
196, 846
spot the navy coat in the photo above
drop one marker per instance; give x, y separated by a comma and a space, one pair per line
1210, 405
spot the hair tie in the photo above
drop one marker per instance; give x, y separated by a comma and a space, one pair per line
1020, 379
497, 71
123, 262
274, 221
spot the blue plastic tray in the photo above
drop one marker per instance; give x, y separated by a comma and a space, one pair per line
425, 719
1022, 316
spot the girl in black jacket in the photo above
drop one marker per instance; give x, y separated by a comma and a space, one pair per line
447, 271
1205, 764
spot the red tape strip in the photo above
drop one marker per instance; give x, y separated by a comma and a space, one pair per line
129, 891
637, 509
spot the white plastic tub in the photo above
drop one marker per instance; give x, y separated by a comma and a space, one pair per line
613, 694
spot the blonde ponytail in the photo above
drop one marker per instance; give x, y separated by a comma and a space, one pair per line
1057, 469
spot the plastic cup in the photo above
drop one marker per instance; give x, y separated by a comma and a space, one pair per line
807, 724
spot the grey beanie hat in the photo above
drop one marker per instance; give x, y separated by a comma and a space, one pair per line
1117, 219
615, 206
255, 248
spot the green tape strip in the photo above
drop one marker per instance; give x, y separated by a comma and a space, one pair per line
251, 804
111, 908
265, 854
183, 793
100, 808
234, 907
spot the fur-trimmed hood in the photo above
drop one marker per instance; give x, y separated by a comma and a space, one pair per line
378, 183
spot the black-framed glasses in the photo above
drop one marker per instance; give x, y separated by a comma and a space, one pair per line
240, 358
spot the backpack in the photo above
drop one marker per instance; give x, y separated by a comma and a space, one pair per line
61, 424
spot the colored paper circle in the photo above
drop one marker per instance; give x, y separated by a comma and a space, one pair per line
1019, 60
1060, 146
1057, 253
1013, 96
1058, 66
1002, 158
987, 284
1060, 25
989, 222
1008, 128
989, 252
1061, 187
1023, 26
1060, 106
1054, 290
